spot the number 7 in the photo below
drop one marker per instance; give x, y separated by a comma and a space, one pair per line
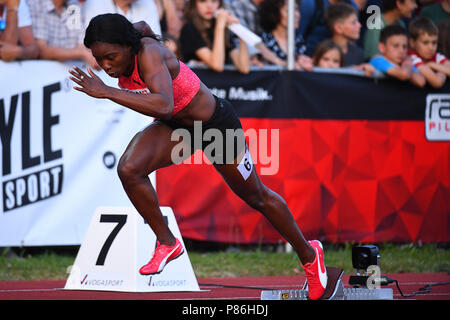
120, 219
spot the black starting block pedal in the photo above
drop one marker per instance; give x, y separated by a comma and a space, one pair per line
335, 287
334, 291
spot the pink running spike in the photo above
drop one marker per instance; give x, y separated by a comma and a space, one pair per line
161, 257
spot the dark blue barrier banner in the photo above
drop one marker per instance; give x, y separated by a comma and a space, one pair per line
314, 95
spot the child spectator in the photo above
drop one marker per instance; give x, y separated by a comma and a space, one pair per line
328, 55
312, 25
342, 20
393, 60
393, 13
423, 43
205, 37
16, 34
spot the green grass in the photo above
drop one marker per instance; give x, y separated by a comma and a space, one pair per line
52, 265
394, 259
44, 266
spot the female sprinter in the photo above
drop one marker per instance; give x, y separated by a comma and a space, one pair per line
160, 86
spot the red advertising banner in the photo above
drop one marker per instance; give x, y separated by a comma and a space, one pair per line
343, 181
360, 180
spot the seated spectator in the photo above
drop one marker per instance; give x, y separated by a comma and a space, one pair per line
342, 20
437, 12
393, 12
273, 19
205, 38
133, 10
423, 42
247, 13
169, 18
393, 59
58, 29
328, 55
16, 34
312, 25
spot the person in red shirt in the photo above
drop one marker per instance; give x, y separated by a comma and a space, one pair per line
158, 85
423, 43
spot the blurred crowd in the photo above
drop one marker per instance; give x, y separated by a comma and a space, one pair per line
405, 39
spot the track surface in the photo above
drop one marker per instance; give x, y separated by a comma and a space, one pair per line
243, 288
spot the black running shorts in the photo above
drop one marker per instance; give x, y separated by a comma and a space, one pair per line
221, 137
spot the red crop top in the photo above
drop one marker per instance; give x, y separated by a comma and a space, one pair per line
185, 85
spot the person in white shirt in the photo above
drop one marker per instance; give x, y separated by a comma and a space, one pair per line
16, 34
133, 10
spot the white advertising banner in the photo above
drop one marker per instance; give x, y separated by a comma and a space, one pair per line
59, 153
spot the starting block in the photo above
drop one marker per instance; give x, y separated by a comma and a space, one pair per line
117, 243
334, 291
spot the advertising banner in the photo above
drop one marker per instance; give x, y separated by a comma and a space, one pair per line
59, 152
351, 156
356, 159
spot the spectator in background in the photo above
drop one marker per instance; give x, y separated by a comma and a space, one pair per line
273, 18
393, 60
444, 37
342, 20
365, 15
361, 5
172, 43
423, 41
169, 18
133, 10
58, 29
205, 38
437, 12
328, 54
312, 25
16, 34
180, 6
393, 12
247, 13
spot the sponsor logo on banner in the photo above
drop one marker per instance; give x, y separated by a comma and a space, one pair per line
101, 280
239, 93
437, 117
167, 283
32, 168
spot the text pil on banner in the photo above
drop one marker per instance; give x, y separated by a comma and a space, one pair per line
437, 117
117, 243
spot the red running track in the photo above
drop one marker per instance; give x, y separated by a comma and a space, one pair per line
243, 288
